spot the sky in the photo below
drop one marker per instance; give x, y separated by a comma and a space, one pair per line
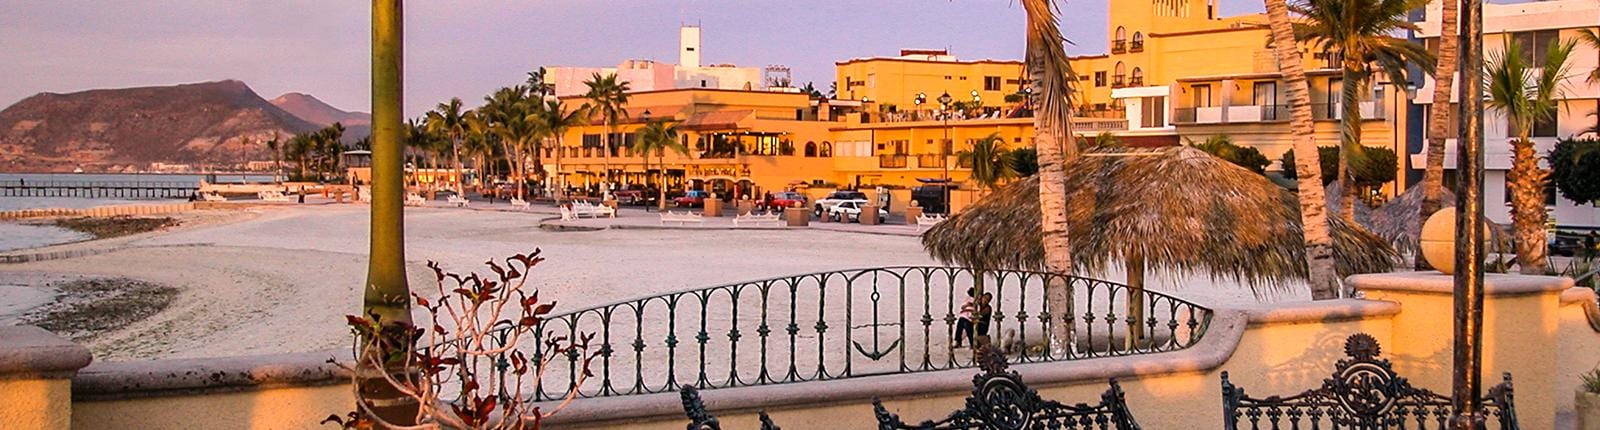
468, 48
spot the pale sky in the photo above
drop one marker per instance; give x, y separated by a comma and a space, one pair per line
467, 48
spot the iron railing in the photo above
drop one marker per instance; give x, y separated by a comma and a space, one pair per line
835, 325
892, 161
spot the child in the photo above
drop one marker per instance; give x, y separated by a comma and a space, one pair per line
964, 323
984, 311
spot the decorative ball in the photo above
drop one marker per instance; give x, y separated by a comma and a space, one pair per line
1438, 240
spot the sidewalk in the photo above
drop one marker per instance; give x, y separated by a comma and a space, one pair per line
637, 218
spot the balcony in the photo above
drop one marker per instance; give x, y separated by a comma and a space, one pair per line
1266, 113
1119, 46
1334, 111
1136, 81
893, 161
1117, 81
935, 161
1136, 46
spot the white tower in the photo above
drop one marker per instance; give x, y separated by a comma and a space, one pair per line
689, 47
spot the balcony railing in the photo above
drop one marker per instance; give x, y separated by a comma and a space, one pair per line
1136, 81
1136, 46
1117, 81
931, 161
841, 325
1119, 46
1335, 111
1266, 113
892, 161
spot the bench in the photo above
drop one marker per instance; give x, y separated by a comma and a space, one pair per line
681, 218
1363, 393
412, 199
925, 221
519, 204
272, 196
581, 208
752, 218
457, 201
212, 197
1000, 400
700, 419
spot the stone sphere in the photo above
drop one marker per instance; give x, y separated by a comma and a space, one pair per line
1438, 240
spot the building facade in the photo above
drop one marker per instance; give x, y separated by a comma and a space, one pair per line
1535, 25
651, 75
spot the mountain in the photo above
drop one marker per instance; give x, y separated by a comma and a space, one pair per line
315, 111
209, 123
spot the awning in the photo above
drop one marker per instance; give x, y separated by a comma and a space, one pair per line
720, 120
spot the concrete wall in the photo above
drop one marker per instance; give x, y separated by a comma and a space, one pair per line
35, 384
100, 211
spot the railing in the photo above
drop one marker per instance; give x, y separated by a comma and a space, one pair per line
1183, 115
1136, 46
836, 325
1117, 81
891, 161
930, 160
1119, 46
1136, 81
130, 189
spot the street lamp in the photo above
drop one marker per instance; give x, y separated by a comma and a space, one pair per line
646, 157
944, 148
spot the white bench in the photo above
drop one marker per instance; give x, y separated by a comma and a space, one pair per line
212, 197
457, 201
924, 221
581, 208
412, 199
364, 195
519, 204
272, 196
681, 218
752, 218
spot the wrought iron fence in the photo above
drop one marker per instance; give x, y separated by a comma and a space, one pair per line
835, 325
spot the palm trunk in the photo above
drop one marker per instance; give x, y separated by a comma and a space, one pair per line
1349, 138
605, 150
661, 189
1439, 117
455, 161
1528, 215
386, 294
1135, 278
559, 179
1053, 140
1313, 209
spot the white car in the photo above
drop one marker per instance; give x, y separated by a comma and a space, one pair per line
850, 211
824, 206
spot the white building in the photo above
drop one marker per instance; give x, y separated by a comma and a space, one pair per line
1534, 24
650, 75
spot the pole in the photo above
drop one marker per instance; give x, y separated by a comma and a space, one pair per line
386, 294
1468, 358
944, 161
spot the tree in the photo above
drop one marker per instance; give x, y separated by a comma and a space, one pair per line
1025, 161
609, 98
448, 120
557, 119
1575, 169
1439, 117
1526, 93
658, 137
512, 117
1313, 209
1243, 156
1361, 33
386, 297
990, 161
1591, 38
1379, 168
1051, 77
276, 147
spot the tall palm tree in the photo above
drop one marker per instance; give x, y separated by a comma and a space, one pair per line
1360, 32
1313, 209
447, 119
658, 137
1051, 77
1439, 118
609, 99
989, 160
386, 293
276, 147
1589, 37
557, 120
1527, 93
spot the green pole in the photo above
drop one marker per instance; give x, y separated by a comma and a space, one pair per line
386, 294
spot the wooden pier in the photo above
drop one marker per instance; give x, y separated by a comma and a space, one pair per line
155, 190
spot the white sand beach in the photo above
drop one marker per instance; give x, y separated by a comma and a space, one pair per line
280, 279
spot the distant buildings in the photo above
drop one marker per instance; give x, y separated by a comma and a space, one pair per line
651, 75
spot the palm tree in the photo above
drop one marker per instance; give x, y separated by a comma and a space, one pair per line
990, 161
512, 118
1051, 77
609, 98
1313, 209
446, 119
1589, 37
557, 120
1439, 118
658, 137
277, 156
1527, 93
1360, 32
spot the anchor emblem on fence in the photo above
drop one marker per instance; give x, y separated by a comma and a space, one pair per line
878, 351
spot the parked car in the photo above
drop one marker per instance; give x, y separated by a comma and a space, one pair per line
850, 211
1565, 246
788, 199
691, 199
823, 205
931, 198
631, 197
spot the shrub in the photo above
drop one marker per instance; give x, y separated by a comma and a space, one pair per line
1025, 161
1222, 147
1377, 169
1575, 169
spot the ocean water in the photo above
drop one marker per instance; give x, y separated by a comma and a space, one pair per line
14, 236
15, 203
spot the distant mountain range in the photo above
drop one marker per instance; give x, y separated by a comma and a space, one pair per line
222, 123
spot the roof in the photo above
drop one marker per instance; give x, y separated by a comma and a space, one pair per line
718, 120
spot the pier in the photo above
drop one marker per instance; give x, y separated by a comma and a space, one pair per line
98, 189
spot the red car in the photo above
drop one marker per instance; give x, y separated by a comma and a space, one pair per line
693, 198
788, 199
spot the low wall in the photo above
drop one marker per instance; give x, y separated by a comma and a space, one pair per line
35, 384
286, 391
100, 211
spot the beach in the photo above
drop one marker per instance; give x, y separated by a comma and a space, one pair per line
281, 279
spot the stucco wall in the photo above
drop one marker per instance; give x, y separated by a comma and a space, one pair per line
36, 403
265, 409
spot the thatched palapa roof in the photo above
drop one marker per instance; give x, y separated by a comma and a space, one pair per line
1180, 208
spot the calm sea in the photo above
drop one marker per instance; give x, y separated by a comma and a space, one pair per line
14, 203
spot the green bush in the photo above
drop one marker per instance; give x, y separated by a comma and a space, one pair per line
1222, 147
1025, 161
1378, 168
1575, 169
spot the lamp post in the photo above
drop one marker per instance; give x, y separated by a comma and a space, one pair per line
944, 148
646, 157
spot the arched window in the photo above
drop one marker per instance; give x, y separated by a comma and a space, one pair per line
1119, 43
826, 151
811, 149
1117, 78
1137, 79
1138, 42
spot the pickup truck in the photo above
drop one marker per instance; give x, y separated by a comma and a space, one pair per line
850, 211
825, 204
693, 198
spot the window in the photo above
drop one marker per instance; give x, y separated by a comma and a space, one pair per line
991, 83
826, 151
1119, 43
1117, 78
1264, 94
1138, 42
1542, 127
811, 149
1100, 78
1200, 95
1137, 79
1153, 112
1535, 45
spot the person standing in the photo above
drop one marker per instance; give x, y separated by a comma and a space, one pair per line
964, 320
